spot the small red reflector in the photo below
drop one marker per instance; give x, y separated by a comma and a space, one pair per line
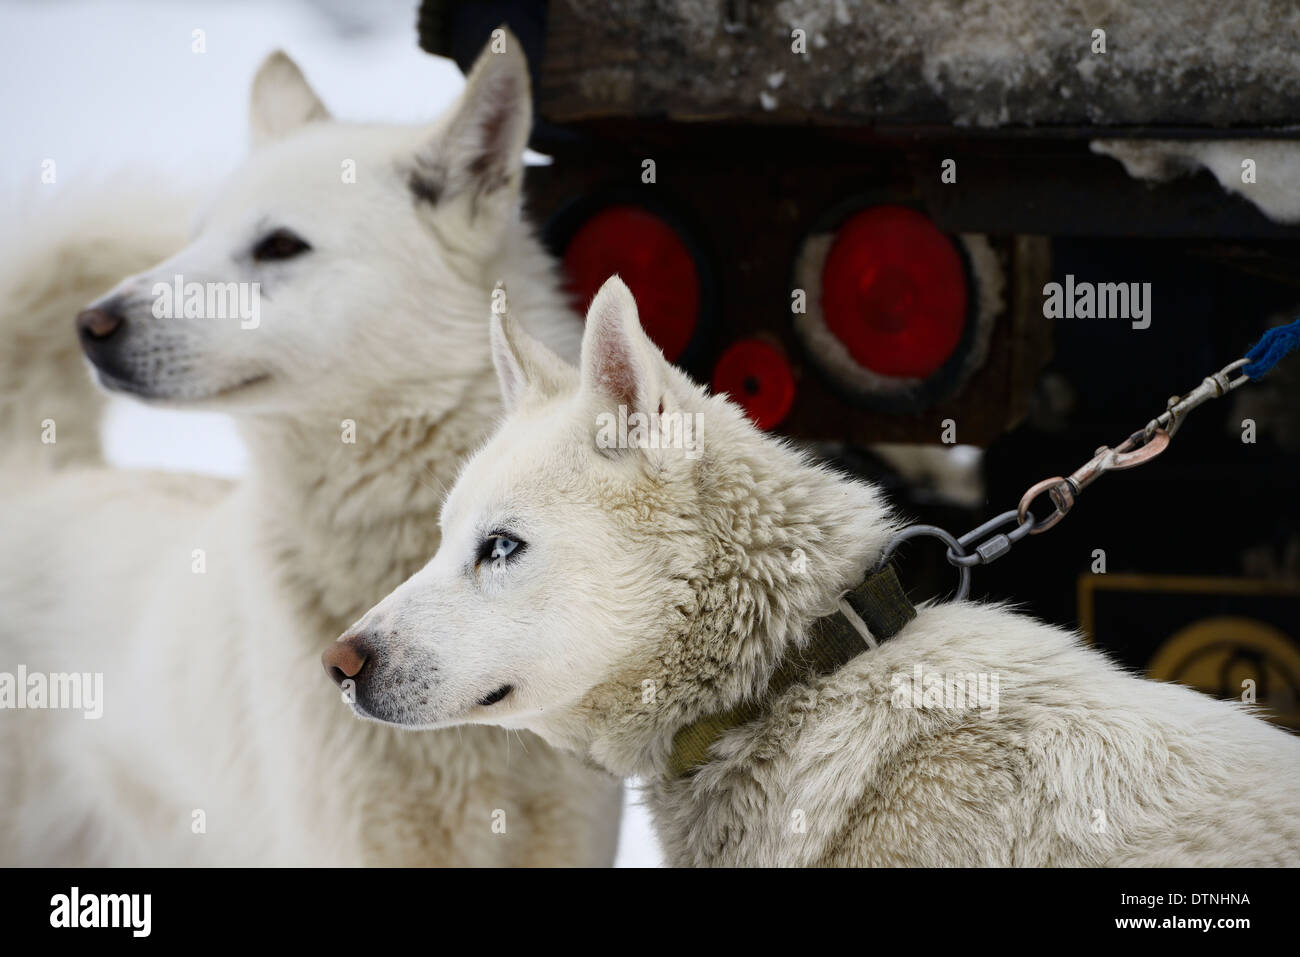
654, 262
757, 377
894, 292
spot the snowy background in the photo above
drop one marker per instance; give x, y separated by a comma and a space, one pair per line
113, 87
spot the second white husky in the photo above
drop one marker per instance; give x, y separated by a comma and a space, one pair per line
365, 380
609, 598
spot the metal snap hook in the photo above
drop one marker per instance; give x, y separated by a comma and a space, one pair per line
1059, 490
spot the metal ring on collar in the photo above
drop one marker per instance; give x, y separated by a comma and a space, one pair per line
933, 531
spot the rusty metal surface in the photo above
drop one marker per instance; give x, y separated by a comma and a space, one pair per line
980, 64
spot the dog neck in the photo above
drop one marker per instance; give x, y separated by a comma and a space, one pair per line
348, 498
806, 535
348, 505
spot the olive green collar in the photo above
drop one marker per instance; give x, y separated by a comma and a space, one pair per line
873, 612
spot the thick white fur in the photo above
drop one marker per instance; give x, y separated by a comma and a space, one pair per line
59, 254
214, 697
653, 588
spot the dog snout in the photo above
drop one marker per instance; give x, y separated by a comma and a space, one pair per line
101, 322
346, 657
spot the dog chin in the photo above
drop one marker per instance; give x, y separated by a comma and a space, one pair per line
405, 722
114, 383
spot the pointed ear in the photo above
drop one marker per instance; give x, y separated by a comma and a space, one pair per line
619, 362
524, 365
282, 100
477, 152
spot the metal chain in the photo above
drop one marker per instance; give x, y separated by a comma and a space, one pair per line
987, 543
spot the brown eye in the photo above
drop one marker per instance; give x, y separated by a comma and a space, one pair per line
281, 244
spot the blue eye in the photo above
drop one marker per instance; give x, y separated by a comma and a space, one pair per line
497, 548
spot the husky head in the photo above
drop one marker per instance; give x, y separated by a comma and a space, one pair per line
338, 261
603, 586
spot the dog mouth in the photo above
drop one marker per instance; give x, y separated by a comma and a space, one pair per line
245, 384
490, 699
117, 383
367, 708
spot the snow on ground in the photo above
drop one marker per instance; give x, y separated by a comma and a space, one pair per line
106, 88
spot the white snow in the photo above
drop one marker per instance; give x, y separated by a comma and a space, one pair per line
1276, 172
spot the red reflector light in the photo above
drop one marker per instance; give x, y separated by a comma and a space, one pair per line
757, 377
654, 262
894, 292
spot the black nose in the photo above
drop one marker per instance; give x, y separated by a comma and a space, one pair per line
100, 322
345, 658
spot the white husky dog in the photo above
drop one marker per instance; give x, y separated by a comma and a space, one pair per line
362, 379
608, 598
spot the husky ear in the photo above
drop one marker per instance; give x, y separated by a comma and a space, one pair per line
282, 100
524, 364
619, 362
477, 152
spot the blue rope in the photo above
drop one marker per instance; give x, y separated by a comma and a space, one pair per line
1271, 347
